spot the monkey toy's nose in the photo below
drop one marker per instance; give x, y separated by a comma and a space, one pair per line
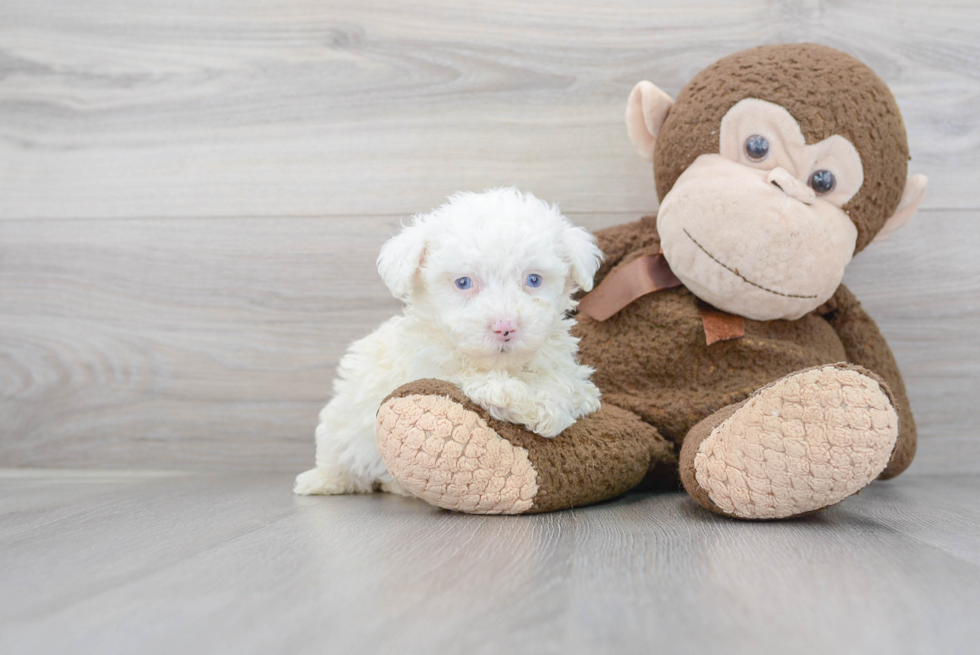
504, 330
792, 187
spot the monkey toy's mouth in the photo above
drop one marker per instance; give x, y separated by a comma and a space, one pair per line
735, 272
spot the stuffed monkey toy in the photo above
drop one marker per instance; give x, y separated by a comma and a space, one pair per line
730, 357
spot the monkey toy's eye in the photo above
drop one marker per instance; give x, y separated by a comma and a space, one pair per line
757, 147
823, 182
464, 283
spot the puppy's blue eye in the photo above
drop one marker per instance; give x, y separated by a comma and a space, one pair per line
534, 280
464, 283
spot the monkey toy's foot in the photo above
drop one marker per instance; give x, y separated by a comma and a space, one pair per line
448, 456
444, 449
805, 442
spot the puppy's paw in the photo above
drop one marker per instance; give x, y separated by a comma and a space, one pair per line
549, 420
320, 482
588, 401
498, 391
554, 413
393, 487
503, 397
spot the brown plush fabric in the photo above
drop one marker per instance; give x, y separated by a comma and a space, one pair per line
827, 91
692, 441
622, 244
864, 345
652, 358
600, 457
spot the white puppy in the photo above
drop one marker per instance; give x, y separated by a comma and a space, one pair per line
487, 281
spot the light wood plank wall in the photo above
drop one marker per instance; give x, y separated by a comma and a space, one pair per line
192, 195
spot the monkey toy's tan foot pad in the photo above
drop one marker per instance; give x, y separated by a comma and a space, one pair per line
805, 442
449, 457
452, 454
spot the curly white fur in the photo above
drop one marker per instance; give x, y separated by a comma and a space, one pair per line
502, 340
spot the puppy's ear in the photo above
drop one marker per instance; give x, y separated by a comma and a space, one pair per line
401, 258
583, 255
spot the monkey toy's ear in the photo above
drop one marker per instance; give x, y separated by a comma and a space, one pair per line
401, 258
915, 190
646, 111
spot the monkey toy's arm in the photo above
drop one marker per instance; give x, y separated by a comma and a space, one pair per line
865, 346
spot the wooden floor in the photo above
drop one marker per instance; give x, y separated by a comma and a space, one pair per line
96, 562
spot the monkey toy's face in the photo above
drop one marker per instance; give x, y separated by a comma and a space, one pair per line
774, 167
758, 229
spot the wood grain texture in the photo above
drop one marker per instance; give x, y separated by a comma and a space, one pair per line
206, 563
238, 164
133, 341
209, 344
167, 108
